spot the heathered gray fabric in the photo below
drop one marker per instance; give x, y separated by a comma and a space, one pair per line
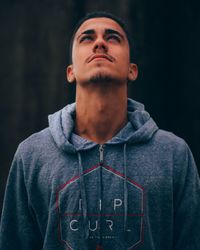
145, 194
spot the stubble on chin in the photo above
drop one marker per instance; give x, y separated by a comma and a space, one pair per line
101, 78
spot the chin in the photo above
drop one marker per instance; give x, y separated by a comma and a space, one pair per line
101, 77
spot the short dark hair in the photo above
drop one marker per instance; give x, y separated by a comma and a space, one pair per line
98, 14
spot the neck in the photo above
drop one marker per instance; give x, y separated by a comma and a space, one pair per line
101, 111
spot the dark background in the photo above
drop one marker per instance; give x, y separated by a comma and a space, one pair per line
34, 43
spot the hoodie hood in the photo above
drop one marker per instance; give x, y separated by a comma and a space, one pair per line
140, 128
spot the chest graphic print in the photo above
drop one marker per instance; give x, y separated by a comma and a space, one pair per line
108, 222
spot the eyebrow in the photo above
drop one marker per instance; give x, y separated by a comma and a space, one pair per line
107, 32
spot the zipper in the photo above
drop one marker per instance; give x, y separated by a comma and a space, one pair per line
101, 162
101, 151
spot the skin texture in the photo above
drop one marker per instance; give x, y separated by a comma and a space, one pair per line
101, 68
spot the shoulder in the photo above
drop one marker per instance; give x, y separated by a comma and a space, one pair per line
170, 146
37, 143
175, 152
169, 140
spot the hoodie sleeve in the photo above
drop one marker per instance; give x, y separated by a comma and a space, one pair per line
18, 229
186, 202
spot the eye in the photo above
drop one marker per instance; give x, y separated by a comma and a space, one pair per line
86, 38
114, 38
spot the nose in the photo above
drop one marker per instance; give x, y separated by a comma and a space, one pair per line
100, 45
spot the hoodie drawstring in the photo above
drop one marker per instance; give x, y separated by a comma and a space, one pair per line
125, 191
83, 197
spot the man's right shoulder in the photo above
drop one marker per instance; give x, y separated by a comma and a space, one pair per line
36, 143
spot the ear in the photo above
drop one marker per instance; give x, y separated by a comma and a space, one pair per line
70, 74
133, 72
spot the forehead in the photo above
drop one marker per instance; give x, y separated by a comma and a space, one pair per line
99, 24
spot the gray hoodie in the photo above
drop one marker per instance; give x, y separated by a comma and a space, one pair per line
139, 190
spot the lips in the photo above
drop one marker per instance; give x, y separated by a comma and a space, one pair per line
100, 56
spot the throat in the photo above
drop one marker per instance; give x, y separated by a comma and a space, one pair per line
99, 123
100, 114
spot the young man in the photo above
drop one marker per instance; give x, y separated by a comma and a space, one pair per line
102, 175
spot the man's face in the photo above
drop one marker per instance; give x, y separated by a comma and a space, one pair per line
101, 51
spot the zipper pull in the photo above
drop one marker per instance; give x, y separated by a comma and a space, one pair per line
101, 149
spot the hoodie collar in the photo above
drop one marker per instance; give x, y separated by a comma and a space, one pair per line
140, 128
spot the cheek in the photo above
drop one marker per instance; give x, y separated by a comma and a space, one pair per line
126, 56
123, 56
77, 65
78, 58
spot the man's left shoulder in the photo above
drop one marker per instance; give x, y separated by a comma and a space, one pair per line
169, 140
